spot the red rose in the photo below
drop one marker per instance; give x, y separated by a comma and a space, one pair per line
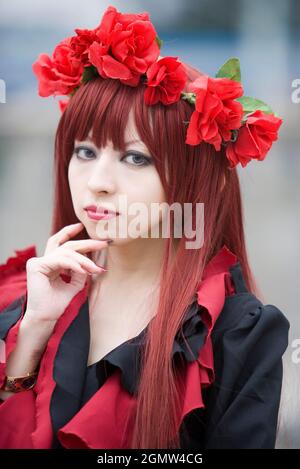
59, 75
125, 47
255, 138
165, 81
225, 88
229, 118
80, 44
216, 113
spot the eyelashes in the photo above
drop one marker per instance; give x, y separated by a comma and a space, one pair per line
146, 161
79, 151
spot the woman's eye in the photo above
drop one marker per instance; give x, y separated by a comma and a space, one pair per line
135, 159
84, 153
138, 160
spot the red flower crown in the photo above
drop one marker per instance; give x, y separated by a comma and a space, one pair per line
126, 47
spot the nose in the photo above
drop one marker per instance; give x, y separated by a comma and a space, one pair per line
102, 178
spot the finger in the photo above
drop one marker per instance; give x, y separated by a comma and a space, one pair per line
63, 235
81, 259
85, 245
54, 264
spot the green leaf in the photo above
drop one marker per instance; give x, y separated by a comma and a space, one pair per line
252, 104
230, 69
190, 97
74, 91
159, 42
89, 73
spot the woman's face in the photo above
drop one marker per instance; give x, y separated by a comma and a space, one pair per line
127, 183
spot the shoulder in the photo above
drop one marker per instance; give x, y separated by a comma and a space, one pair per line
248, 331
13, 276
242, 310
246, 311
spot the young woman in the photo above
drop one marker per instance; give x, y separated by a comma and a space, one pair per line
118, 340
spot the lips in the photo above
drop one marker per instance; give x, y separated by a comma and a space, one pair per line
100, 210
100, 213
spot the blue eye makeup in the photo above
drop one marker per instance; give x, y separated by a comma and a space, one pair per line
144, 160
79, 151
83, 152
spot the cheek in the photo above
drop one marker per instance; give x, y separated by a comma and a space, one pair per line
146, 189
72, 180
155, 190
75, 178
154, 195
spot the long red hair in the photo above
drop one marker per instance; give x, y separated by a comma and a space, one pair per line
195, 174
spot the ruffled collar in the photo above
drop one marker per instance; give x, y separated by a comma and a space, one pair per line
125, 356
70, 364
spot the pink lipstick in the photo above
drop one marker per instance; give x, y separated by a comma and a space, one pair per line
100, 213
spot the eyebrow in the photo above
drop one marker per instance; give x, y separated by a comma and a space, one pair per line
126, 143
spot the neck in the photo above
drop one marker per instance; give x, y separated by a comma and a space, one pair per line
136, 263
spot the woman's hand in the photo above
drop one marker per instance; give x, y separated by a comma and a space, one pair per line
47, 294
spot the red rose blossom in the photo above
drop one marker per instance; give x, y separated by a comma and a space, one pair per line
166, 79
254, 139
80, 44
125, 46
60, 74
216, 113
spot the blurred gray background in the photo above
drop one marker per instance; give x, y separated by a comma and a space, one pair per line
264, 34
